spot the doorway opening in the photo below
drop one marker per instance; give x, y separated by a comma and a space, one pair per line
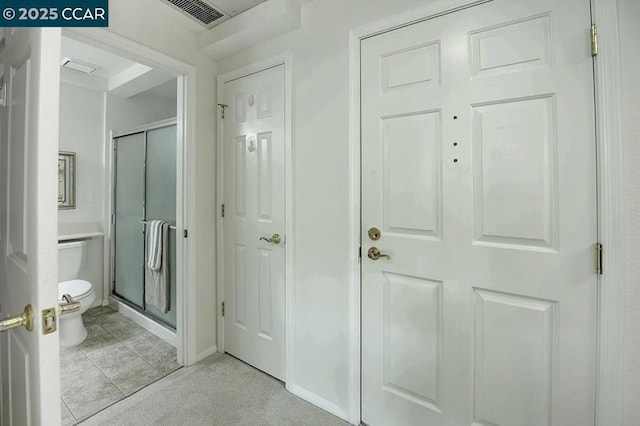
113, 99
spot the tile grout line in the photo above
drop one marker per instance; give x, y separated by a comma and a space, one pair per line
75, 419
161, 374
133, 350
106, 377
124, 344
75, 416
80, 419
93, 363
120, 342
122, 394
132, 393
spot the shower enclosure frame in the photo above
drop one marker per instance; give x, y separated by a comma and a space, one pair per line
114, 187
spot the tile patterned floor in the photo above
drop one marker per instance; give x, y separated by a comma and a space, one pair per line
117, 359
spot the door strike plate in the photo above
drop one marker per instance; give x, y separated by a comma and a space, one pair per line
49, 321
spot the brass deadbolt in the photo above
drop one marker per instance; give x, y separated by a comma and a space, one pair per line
374, 234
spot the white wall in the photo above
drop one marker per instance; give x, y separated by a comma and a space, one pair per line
321, 205
321, 186
124, 114
629, 12
140, 21
82, 115
82, 131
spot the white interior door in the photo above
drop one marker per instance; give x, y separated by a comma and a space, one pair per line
478, 167
254, 170
28, 222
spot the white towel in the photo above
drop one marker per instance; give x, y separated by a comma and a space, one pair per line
157, 282
154, 244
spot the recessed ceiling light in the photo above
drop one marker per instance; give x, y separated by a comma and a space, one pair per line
78, 65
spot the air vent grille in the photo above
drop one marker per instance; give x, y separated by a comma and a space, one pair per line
198, 9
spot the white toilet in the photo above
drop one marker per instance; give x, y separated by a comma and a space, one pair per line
70, 259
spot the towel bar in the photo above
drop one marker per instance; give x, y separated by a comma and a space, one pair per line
145, 222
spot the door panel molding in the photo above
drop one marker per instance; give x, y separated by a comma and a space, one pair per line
286, 59
609, 187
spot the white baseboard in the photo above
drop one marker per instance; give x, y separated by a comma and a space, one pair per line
145, 322
207, 352
318, 401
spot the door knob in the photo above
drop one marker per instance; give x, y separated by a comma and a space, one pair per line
374, 254
274, 240
25, 318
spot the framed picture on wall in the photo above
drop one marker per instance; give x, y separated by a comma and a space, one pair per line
66, 180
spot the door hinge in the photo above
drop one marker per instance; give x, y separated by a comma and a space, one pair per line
113, 218
360, 252
599, 263
222, 308
185, 233
594, 40
222, 108
222, 210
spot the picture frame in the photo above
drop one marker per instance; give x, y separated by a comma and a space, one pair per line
66, 180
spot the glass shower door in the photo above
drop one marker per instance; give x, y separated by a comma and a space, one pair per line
129, 211
161, 200
145, 190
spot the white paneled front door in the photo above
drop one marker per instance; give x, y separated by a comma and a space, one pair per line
254, 258
478, 169
30, 361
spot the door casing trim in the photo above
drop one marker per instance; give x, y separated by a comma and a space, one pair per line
286, 59
608, 402
185, 175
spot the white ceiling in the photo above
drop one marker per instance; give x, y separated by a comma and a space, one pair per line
115, 74
234, 7
230, 7
108, 63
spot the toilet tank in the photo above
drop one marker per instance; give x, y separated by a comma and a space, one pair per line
70, 259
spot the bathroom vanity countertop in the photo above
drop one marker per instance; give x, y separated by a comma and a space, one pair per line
80, 236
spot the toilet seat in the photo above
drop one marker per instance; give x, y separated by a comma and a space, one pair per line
77, 289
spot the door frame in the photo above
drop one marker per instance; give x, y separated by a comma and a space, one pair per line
286, 59
186, 301
608, 402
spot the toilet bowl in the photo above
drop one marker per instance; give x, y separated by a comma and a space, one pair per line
71, 258
72, 329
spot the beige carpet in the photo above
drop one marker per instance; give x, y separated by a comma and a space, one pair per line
217, 391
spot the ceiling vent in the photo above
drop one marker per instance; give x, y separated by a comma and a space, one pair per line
78, 66
204, 13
